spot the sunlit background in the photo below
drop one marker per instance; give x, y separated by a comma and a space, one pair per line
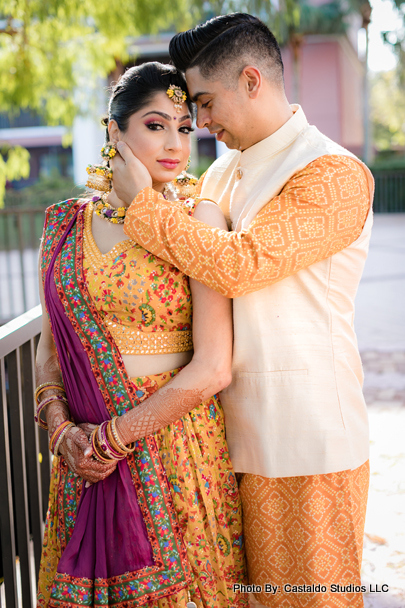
344, 63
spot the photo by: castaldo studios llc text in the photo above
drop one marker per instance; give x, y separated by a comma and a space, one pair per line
332, 588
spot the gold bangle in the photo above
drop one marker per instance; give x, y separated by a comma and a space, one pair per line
128, 449
112, 441
47, 385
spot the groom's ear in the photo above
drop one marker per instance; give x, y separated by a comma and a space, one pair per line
252, 80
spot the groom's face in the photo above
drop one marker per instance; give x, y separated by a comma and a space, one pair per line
224, 111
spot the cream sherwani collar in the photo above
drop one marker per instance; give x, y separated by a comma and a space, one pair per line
222, 181
277, 141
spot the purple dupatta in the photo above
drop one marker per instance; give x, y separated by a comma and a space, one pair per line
109, 536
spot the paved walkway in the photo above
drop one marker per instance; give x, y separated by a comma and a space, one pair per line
380, 325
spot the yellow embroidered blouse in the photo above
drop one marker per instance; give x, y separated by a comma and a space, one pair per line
144, 301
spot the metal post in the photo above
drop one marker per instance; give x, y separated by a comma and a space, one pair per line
6, 503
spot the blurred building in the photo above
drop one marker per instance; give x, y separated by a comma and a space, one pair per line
47, 154
330, 87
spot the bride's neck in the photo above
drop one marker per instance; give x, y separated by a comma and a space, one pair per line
117, 202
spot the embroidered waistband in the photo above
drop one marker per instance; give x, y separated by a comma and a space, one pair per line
135, 342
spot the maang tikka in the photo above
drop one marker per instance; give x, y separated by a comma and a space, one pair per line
177, 95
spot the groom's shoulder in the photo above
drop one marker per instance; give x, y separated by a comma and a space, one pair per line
226, 159
223, 164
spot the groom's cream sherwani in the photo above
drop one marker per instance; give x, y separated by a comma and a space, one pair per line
299, 209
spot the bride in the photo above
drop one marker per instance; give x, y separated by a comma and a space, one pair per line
144, 507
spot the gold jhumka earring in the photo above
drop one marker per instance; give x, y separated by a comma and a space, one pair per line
99, 179
100, 176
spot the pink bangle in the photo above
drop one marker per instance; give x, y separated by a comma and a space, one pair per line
42, 423
96, 451
105, 445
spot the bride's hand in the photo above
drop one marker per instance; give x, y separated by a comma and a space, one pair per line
130, 175
87, 427
76, 450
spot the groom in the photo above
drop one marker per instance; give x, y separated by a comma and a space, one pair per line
299, 209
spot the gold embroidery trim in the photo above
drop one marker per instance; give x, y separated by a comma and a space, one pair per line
135, 342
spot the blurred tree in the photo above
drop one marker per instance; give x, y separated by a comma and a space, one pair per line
396, 40
388, 110
54, 52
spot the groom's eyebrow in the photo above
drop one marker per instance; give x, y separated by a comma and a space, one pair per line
195, 97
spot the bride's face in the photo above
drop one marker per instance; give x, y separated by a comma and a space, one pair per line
159, 136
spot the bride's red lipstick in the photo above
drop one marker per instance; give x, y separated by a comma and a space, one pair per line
169, 163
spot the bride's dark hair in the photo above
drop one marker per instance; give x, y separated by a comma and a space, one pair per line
137, 86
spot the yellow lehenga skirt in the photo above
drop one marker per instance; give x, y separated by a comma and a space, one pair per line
195, 456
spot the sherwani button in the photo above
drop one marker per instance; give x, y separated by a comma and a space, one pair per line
239, 173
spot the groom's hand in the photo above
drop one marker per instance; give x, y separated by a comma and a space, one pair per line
130, 176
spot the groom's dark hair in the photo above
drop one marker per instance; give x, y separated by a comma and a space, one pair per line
224, 45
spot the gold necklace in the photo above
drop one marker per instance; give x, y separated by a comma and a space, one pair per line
116, 215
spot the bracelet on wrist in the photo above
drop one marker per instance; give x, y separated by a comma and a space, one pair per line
46, 386
37, 417
98, 454
128, 449
58, 435
106, 444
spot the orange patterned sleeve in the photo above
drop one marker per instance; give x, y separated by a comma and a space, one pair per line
319, 212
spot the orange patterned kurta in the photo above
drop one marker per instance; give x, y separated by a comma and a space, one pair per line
319, 212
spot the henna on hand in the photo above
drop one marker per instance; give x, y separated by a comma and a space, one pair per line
76, 450
57, 411
49, 371
87, 427
160, 409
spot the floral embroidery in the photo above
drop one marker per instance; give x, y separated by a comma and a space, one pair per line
171, 570
183, 477
148, 314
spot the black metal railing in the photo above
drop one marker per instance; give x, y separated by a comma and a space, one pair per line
24, 462
20, 233
389, 191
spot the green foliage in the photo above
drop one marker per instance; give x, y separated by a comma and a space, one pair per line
45, 192
48, 48
14, 164
388, 110
280, 18
53, 54
326, 18
291, 17
388, 162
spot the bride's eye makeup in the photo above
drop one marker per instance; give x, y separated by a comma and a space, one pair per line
153, 125
186, 129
